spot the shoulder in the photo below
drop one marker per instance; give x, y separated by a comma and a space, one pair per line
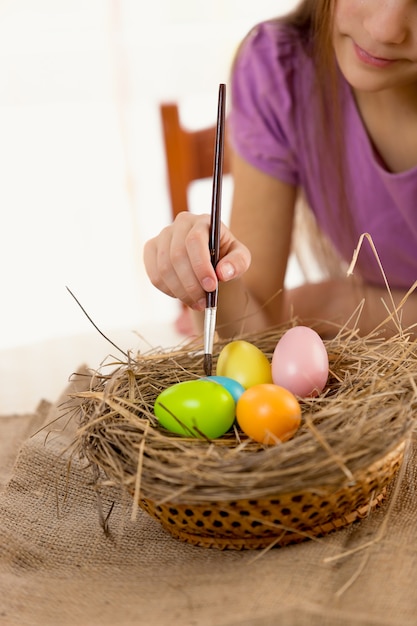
274, 47
273, 72
271, 85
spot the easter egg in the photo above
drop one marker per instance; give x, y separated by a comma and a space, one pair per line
196, 408
232, 386
268, 413
300, 362
244, 362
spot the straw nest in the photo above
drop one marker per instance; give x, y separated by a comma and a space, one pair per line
335, 469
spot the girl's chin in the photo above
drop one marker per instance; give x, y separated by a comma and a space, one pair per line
361, 76
371, 74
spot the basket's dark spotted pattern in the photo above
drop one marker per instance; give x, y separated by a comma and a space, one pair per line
290, 518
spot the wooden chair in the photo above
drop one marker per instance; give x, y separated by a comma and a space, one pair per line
189, 156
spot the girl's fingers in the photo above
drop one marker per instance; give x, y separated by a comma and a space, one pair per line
190, 259
150, 258
178, 259
169, 266
234, 263
234, 260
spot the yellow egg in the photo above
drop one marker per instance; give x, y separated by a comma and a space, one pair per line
244, 362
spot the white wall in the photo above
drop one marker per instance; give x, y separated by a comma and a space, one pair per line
82, 179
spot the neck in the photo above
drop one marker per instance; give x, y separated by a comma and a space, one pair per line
390, 102
390, 118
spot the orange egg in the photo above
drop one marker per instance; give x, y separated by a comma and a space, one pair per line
268, 413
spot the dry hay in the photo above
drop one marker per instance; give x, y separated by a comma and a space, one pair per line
364, 415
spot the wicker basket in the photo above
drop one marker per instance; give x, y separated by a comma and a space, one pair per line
281, 520
233, 493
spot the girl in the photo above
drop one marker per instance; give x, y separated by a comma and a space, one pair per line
323, 103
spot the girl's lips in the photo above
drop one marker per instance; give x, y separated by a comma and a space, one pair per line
367, 58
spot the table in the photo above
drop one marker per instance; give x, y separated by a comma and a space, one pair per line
59, 566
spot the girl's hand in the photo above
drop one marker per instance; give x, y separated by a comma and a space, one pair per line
178, 259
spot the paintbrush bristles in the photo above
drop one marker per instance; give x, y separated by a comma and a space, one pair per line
208, 364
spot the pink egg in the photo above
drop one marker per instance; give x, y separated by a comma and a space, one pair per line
300, 362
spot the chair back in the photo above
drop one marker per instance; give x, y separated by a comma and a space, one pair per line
189, 155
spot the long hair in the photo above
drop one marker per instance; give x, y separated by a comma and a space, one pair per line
314, 19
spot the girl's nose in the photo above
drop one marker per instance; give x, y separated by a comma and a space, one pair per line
387, 22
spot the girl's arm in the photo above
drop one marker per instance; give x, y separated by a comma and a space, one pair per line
261, 218
350, 301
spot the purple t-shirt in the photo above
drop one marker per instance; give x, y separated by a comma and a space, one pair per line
273, 125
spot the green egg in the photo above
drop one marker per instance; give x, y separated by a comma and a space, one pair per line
196, 408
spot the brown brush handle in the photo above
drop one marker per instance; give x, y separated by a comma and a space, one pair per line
214, 237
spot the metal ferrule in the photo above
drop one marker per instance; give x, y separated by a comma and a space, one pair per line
209, 329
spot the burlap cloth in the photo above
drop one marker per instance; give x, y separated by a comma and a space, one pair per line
57, 566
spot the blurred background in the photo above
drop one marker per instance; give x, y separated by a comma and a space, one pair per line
82, 172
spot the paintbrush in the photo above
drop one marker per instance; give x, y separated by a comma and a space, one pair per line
214, 235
